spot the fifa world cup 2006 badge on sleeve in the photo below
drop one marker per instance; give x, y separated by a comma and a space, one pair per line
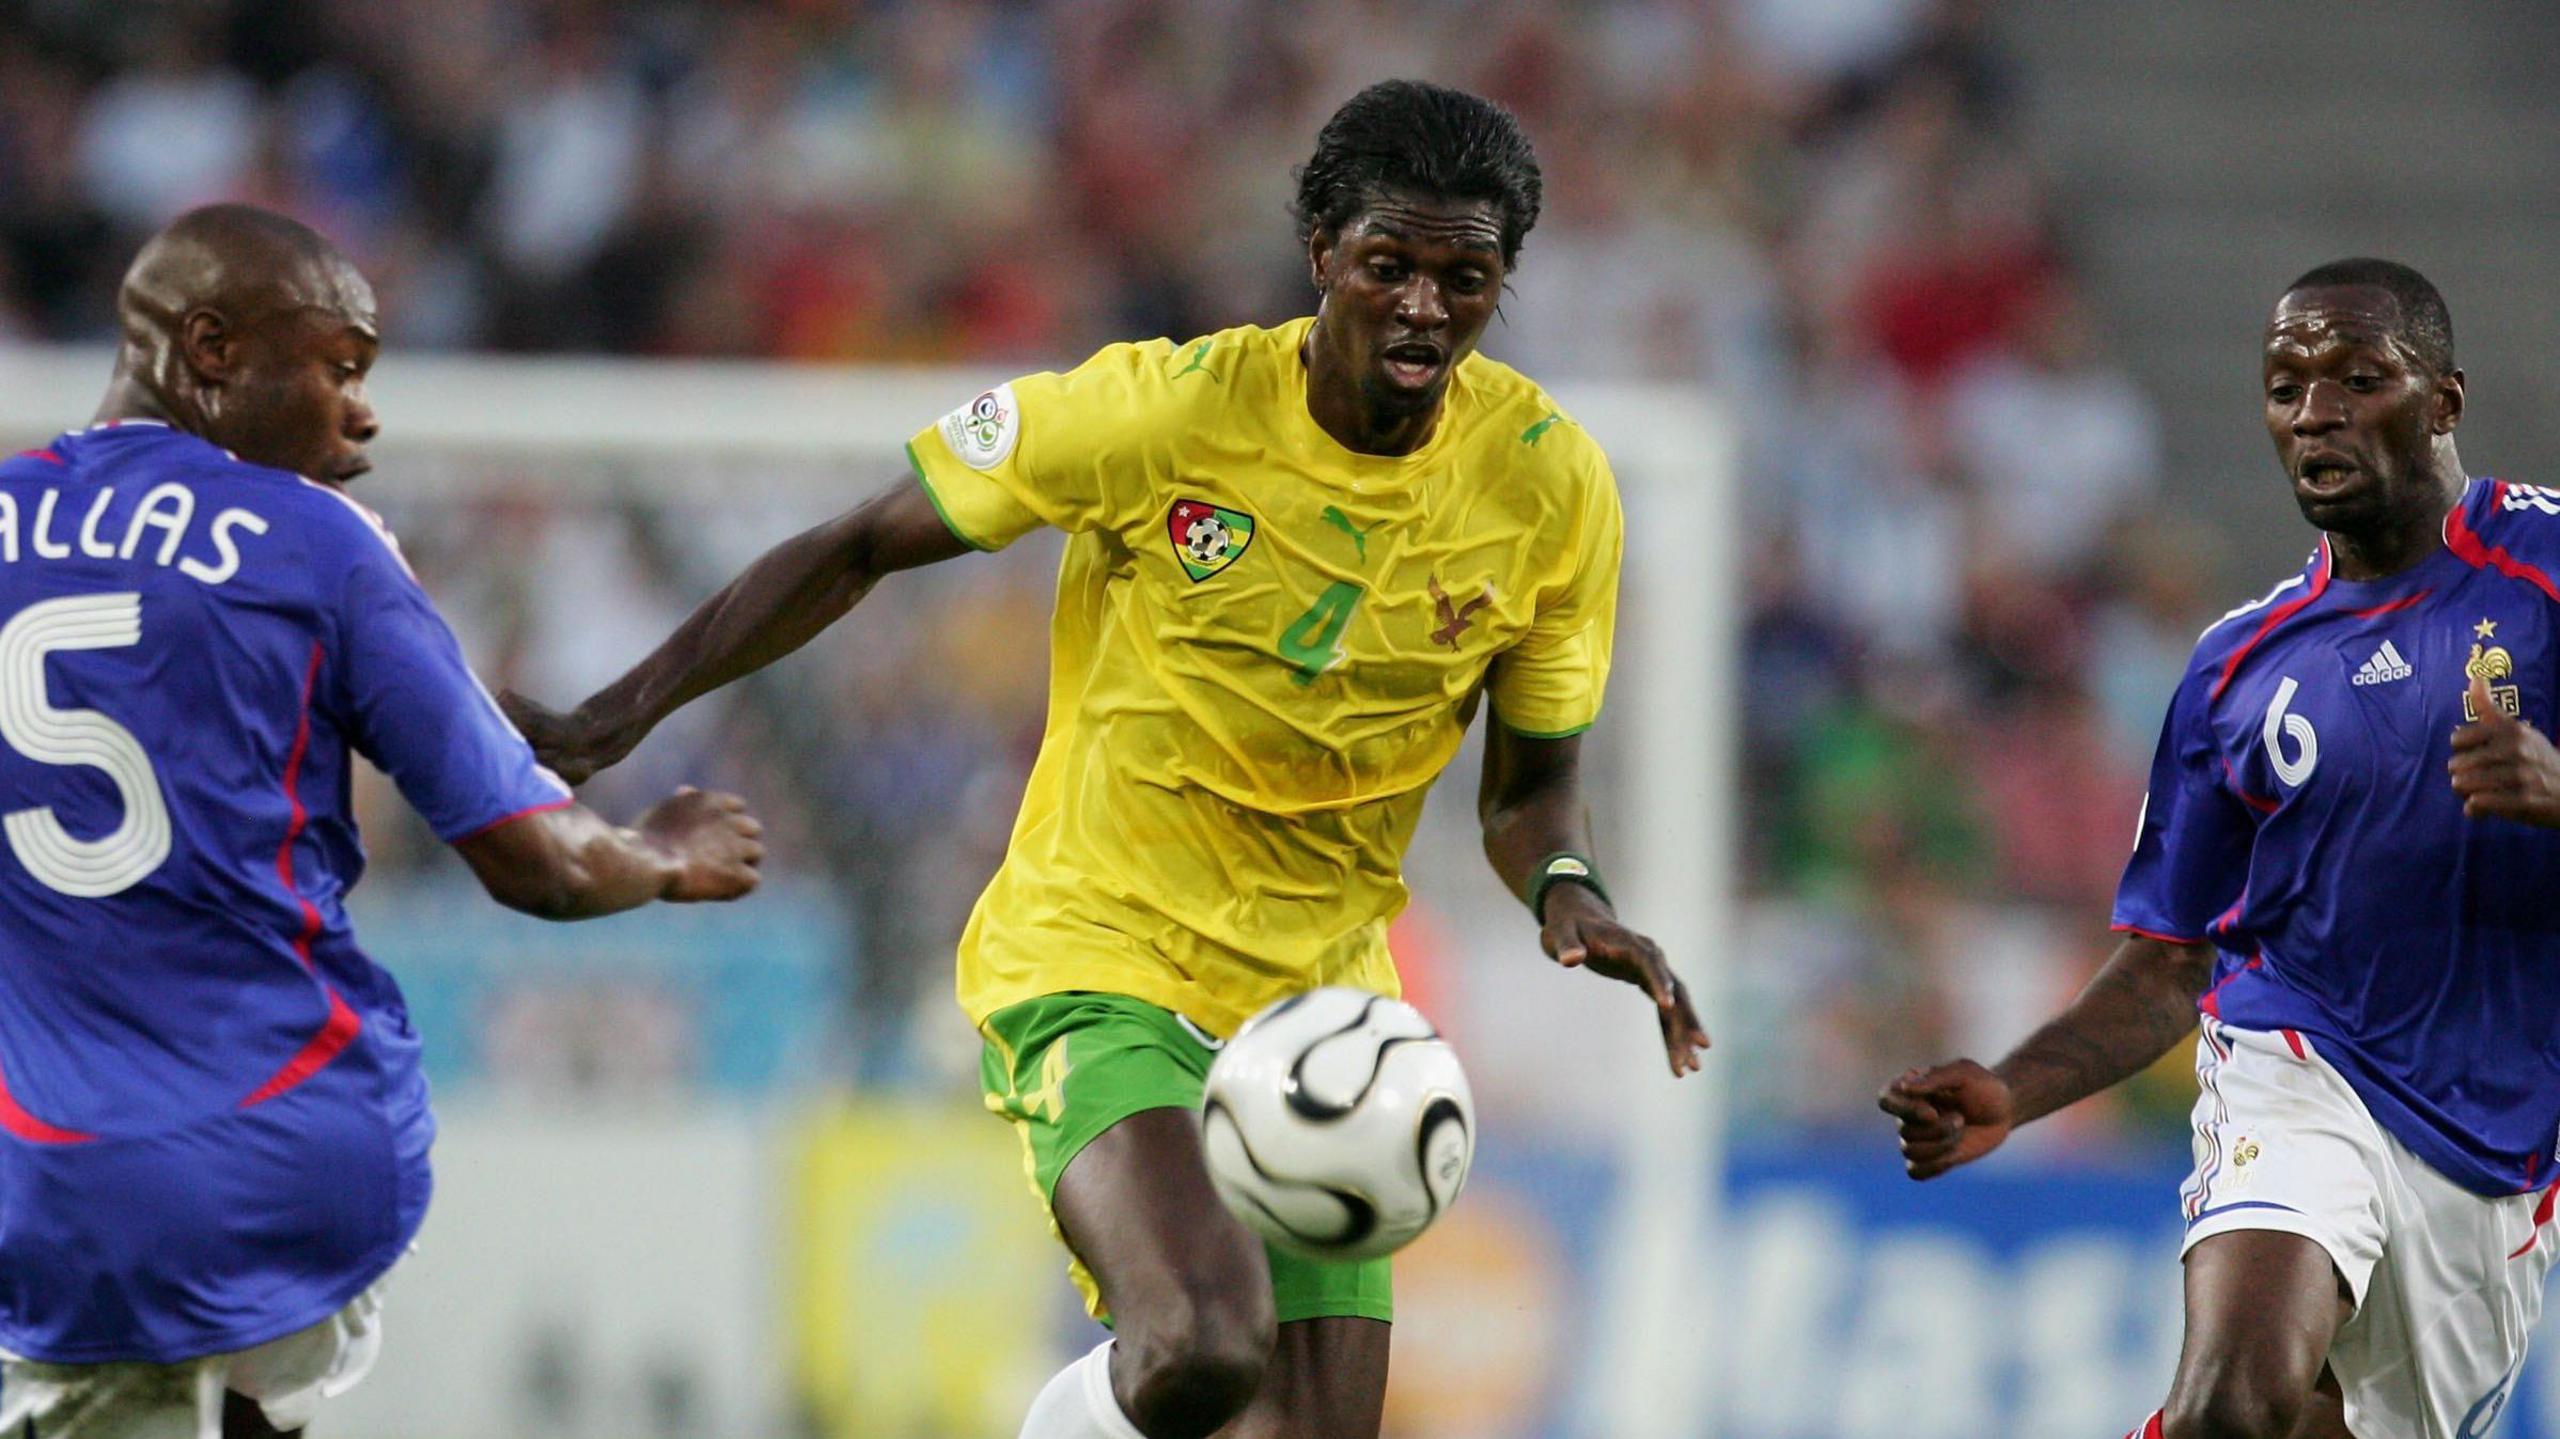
982, 432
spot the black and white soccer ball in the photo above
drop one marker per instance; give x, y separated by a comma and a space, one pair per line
1338, 1124
1206, 539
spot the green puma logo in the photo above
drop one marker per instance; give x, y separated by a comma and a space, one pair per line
1342, 522
1199, 352
1538, 431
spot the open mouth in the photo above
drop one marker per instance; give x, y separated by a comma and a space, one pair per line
1413, 364
2326, 476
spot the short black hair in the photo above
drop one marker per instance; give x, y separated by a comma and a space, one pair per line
1412, 137
2425, 323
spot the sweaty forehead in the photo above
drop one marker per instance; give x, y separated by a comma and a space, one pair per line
330, 284
1468, 224
326, 301
2336, 317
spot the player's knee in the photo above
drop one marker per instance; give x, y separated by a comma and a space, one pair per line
1197, 1357
2233, 1405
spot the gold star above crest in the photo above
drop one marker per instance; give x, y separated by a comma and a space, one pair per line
2486, 629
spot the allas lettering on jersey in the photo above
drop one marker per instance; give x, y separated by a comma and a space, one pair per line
2301, 820
218, 1137
160, 529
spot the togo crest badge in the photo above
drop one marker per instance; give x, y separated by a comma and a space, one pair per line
1206, 538
982, 432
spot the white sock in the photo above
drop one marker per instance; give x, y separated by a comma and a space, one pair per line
1078, 1404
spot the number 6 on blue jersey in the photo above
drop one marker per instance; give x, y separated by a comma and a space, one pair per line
2282, 725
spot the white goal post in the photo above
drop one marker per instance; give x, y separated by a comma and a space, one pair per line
1667, 803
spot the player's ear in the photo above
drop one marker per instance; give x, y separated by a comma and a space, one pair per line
2445, 411
208, 346
1320, 249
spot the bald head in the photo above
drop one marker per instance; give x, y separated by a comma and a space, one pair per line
235, 321
246, 264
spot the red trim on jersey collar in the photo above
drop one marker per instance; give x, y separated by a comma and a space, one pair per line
2278, 615
340, 1028
2467, 545
2401, 603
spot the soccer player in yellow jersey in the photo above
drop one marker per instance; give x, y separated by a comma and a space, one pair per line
1298, 560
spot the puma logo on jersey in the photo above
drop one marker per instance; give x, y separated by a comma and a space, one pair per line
2385, 666
1455, 619
1199, 355
1340, 521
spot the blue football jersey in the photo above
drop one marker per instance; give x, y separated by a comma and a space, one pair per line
2302, 821
213, 1129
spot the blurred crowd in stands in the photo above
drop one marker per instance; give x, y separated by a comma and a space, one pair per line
1965, 611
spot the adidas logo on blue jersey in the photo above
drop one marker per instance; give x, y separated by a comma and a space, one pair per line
2385, 666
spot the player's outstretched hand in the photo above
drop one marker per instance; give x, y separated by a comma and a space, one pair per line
1953, 1114
568, 746
715, 843
1581, 932
2503, 767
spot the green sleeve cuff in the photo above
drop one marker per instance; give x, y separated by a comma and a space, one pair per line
1543, 734
915, 462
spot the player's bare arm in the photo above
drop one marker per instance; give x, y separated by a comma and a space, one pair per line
2140, 1004
775, 606
1532, 808
2503, 767
569, 863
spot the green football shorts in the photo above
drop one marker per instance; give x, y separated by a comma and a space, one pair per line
1066, 1067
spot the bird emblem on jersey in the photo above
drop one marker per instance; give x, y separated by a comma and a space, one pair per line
2490, 664
1455, 619
1207, 538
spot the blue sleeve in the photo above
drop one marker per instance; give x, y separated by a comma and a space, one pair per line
2191, 848
414, 708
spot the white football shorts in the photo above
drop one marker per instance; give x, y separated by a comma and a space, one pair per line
289, 1377
2447, 1283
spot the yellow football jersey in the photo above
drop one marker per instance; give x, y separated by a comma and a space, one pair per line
1266, 646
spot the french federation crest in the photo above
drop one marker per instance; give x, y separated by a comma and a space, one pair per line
2490, 664
1206, 538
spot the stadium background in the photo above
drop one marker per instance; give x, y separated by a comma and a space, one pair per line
1979, 287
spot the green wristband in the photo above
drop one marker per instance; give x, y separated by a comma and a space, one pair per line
1564, 867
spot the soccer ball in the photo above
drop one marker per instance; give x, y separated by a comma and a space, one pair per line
1206, 539
1338, 1124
